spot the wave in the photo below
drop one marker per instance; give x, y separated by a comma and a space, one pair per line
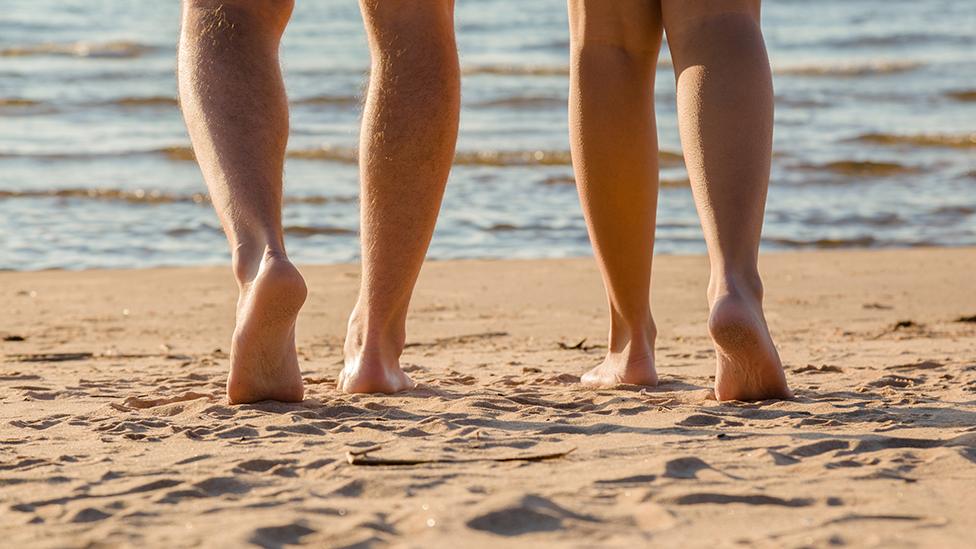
142, 196
878, 220
826, 243
902, 39
297, 231
185, 231
665, 183
350, 155
861, 168
160, 101
513, 158
560, 45
799, 103
679, 183
882, 219
522, 103
337, 100
531, 70
516, 70
138, 196
179, 153
18, 102
962, 95
508, 227
151, 101
954, 211
136, 101
120, 49
23, 107
558, 180
670, 159
329, 153
538, 158
304, 231
850, 69
346, 101
176, 152
490, 69
957, 141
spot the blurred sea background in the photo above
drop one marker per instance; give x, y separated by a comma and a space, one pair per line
875, 142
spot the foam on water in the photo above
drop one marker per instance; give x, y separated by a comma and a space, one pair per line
118, 50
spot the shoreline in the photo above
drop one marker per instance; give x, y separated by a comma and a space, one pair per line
800, 250
115, 429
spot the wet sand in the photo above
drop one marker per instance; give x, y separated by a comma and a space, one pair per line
114, 429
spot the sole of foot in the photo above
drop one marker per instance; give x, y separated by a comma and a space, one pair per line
369, 376
264, 362
619, 369
748, 366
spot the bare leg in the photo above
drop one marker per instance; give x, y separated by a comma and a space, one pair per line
614, 142
235, 108
725, 110
406, 149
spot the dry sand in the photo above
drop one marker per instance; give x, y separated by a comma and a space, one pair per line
114, 430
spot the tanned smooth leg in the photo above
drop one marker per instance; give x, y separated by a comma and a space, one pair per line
725, 114
614, 143
409, 133
234, 103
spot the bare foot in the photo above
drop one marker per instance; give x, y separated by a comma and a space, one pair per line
616, 370
749, 367
370, 376
634, 365
372, 366
264, 363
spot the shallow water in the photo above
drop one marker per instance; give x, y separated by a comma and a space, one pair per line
875, 136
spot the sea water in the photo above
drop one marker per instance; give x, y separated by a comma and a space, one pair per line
875, 138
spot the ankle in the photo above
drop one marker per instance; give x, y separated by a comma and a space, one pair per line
635, 338
745, 284
247, 258
367, 337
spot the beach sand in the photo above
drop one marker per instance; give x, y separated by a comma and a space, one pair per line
114, 430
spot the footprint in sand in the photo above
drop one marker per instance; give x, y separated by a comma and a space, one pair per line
280, 536
262, 465
818, 448
143, 403
90, 514
922, 365
685, 468
219, 486
40, 424
526, 515
705, 498
634, 479
896, 381
699, 420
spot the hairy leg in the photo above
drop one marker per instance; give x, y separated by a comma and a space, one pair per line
234, 103
614, 143
725, 110
407, 145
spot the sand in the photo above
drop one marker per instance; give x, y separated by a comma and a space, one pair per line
114, 430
